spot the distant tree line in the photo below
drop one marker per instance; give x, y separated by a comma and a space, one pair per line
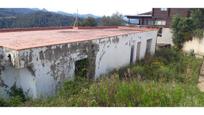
11, 19
115, 20
36, 19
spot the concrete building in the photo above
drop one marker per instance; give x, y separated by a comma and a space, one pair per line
39, 61
161, 18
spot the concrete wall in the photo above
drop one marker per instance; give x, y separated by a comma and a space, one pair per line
40, 71
196, 45
115, 52
2, 68
166, 37
10, 75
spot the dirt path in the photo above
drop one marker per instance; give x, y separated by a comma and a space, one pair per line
201, 79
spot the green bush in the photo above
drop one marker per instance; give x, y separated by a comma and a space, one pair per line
18, 93
17, 97
74, 87
168, 55
3, 103
16, 100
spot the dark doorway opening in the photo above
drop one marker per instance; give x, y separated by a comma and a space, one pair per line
160, 32
132, 55
81, 68
138, 51
148, 47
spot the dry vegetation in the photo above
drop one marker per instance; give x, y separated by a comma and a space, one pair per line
167, 79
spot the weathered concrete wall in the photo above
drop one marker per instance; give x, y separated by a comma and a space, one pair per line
166, 37
115, 52
195, 45
40, 71
6, 63
10, 75
2, 85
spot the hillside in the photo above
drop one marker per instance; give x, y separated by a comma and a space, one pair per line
7, 12
25, 17
80, 15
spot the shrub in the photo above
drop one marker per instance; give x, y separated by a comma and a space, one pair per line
73, 87
3, 103
167, 55
17, 96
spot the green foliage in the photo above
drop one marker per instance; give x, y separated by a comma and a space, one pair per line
25, 18
182, 31
14, 91
198, 33
3, 103
168, 55
17, 96
74, 87
169, 65
185, 28
36, 19
167, 79
81, 68
88, 22
15, 101
197, 16
114, 20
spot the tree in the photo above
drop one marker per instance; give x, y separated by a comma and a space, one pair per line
197, 15
36, 19
115, 20
185, 28
182, 31
88, 22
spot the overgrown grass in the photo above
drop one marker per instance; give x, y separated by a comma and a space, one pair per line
17, 98
167, 79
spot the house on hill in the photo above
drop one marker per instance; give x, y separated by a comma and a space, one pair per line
162, 18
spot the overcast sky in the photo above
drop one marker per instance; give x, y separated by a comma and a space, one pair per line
99, 7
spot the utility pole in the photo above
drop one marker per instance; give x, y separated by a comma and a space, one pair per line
76, 20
